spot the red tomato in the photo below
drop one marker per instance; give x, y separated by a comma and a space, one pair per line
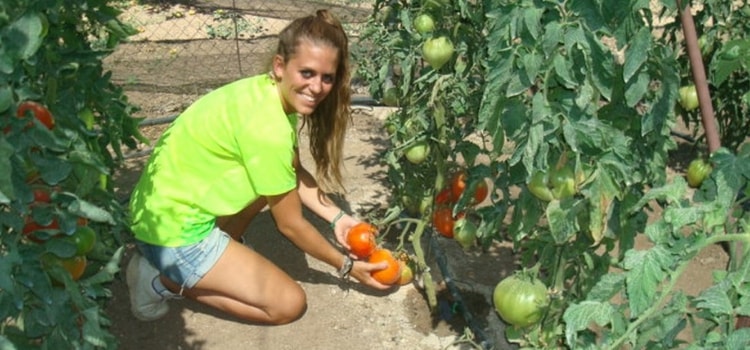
361, 240
458, 186
32, 226
444, 197
40, 112
443, 221
41, 195
390, 274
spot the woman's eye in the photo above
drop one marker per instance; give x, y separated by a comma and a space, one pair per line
307, 74
328, 79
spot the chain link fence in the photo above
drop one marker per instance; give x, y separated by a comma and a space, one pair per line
190, 47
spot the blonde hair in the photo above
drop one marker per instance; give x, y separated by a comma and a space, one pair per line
328, 122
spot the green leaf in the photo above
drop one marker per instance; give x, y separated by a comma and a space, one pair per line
715, 299
532, 18
636, 53
579, 316
563, 71
92, 212
739, 339
729, 59
646, 270
607, 287
6, 97
6, 184
562, 220
23, 37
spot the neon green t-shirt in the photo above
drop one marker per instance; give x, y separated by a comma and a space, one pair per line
224, 151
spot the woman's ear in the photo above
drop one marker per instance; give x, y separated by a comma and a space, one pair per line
278, 67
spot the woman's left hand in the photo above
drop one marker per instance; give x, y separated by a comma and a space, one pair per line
342, 227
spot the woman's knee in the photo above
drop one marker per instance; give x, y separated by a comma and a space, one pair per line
290, 307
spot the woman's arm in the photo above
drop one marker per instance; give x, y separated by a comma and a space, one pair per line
320, 204
287, 212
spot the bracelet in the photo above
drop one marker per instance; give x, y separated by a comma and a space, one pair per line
346, 268
335, 219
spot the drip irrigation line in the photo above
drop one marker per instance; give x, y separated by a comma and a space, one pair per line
493, 322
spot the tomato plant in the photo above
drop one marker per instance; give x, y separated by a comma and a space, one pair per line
698, 170
389, 275
66, 125
587, 118
520, 301
361, 240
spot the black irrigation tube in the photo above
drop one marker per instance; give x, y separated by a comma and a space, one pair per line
481, 335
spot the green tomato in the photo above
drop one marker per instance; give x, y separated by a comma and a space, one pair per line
688, 97
465, 232
520, 301
563, 182
698, 170
391, 97
84, 239
417, 153
538, 186
424, 23
437, 51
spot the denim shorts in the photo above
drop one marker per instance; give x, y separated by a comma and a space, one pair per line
186, 265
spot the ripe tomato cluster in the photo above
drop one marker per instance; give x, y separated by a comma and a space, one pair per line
363, 244
72, 248
458, 227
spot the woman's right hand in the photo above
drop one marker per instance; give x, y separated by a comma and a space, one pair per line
362, 272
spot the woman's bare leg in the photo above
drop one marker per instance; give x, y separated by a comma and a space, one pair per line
246, 285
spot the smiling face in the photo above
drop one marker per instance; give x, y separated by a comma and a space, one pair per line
307, 78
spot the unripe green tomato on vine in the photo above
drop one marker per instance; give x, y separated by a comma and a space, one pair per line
424, 23
437, 51
563, 182
537, 185
697, 172
688, 97
520, 300
417, 153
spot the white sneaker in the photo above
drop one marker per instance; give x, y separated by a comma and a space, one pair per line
145, 303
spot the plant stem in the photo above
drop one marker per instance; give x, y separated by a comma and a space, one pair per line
429, 284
